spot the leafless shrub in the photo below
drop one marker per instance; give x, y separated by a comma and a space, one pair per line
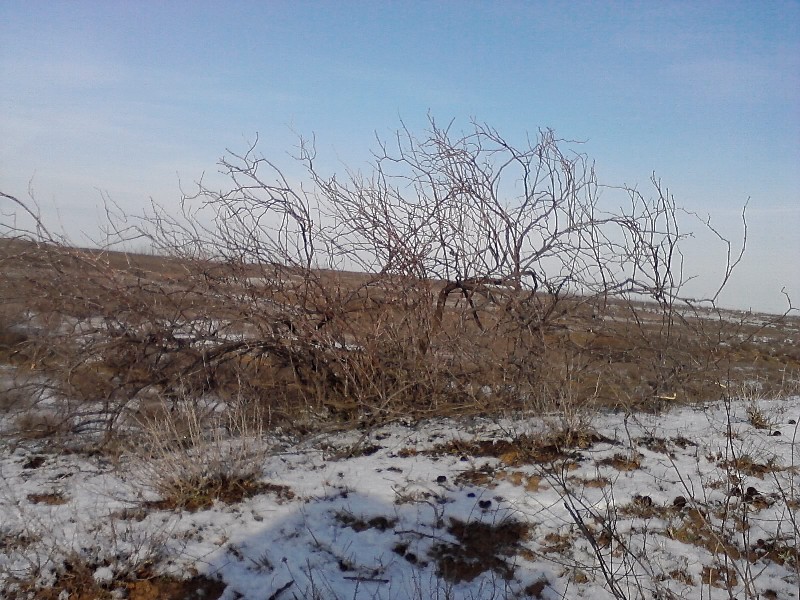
462, 275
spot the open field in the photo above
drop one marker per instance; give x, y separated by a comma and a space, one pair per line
434, 358
186, 428
690, 503
136, 326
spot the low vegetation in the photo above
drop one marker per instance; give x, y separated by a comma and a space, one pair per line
463, 278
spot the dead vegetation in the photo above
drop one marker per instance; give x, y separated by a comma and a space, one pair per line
463, 276
479, 547
480, 276
76, 581
375, 358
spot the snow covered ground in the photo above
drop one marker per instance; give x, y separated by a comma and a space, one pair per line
692, 503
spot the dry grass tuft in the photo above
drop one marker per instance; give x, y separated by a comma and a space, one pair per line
76, 580
192, 459
720, 577
480, 547
49, 498
757, 418
557, 447
355, 523
195, 493
696, 529
623, 462
747, 465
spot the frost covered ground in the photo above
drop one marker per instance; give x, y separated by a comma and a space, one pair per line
694, 503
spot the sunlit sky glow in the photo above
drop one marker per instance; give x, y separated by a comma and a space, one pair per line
128, 98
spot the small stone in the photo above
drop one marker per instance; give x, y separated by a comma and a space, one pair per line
792, 422
441, 479
679, 502
751, 493
471, 495
776, 433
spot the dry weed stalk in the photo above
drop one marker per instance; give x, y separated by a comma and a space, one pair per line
718, 512
192, 458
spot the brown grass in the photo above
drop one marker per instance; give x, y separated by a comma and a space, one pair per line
357, 348
720, 577
623, 462
75, 580
480, 547
359, 524
561, 446
50, 498
187, 459
747, 465
697, 530
200, 493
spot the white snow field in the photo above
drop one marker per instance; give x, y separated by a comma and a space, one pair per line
694, 502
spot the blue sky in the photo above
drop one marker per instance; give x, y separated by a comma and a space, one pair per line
128, 97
